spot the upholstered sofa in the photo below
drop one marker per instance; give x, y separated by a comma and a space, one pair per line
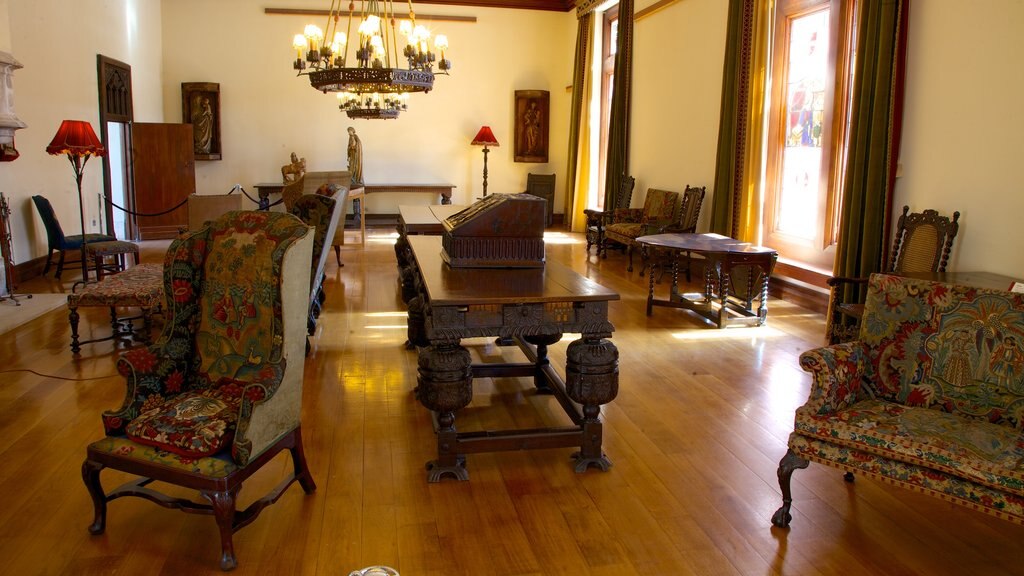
929, 397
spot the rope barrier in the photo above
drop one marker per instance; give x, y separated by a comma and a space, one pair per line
262, 203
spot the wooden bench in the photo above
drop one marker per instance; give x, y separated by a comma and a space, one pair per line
141, 286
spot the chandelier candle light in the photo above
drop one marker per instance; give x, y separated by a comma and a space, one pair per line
374, 86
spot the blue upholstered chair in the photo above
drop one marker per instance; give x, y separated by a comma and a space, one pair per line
58, 241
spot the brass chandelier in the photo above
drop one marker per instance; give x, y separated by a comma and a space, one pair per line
375, 86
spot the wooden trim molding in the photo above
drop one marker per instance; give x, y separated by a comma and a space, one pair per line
325, 13
650, 10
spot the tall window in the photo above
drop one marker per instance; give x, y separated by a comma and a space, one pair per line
609, 41
806, 134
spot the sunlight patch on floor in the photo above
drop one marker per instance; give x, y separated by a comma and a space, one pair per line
739, 333
561, 238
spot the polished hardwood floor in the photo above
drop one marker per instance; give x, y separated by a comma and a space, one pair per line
695, 436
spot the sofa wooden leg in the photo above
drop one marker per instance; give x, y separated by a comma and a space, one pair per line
848, 476
787, 465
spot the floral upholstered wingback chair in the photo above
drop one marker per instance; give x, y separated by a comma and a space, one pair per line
661, 209
220, 393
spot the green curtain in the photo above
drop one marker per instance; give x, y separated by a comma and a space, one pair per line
618, 129
579, 74
725, 209
875, 126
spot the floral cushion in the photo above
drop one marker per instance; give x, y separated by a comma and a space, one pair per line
193, 424
989, 454
625, 230
926, 479
217, 466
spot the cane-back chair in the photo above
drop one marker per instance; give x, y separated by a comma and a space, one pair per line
689, 214
598, 219
922, 243
220, 393
661, 210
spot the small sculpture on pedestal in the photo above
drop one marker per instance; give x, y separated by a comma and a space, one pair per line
295, 170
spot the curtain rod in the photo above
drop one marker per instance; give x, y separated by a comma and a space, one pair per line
308, 12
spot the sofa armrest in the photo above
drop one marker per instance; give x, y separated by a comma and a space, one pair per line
837, 375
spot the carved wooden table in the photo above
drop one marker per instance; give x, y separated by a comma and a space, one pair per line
533, 306
734, 274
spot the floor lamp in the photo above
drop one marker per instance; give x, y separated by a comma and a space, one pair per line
76, 139
485, 138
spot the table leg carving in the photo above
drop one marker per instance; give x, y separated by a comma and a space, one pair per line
417, 330
73, 320
762, 308
724, 277
542, 341
592, 379
445, 385
650, 292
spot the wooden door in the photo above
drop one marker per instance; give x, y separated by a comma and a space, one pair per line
114, 79
163, 171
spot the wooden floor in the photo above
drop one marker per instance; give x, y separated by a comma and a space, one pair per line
695, 436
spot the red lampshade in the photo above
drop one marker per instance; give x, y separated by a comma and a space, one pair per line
76, 138
485, 138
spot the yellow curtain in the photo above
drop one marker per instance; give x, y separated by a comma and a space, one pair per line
751, 190
578, 169
736, 205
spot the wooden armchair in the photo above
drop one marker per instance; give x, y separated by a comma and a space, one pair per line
689, 214
220, 393
291, 191
320, 183
322, 212
543, 186
661, 210
598, 219
922, 243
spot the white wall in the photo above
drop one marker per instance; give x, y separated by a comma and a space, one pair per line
57, 41
677, 91
964, 130
267, 112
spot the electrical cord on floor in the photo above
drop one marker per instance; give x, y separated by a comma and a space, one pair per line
58, 377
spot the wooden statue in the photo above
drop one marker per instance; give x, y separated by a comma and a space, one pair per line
295, 170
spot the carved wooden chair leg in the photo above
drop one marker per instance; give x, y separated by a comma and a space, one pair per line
848, 476
91, 476
787, 465
301, 470
224, 512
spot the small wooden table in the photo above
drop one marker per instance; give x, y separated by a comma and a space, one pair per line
533, 306
734, 274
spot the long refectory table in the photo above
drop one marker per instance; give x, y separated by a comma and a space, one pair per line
533, 306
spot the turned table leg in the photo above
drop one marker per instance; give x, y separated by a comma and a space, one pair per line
592, 379
445, 385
